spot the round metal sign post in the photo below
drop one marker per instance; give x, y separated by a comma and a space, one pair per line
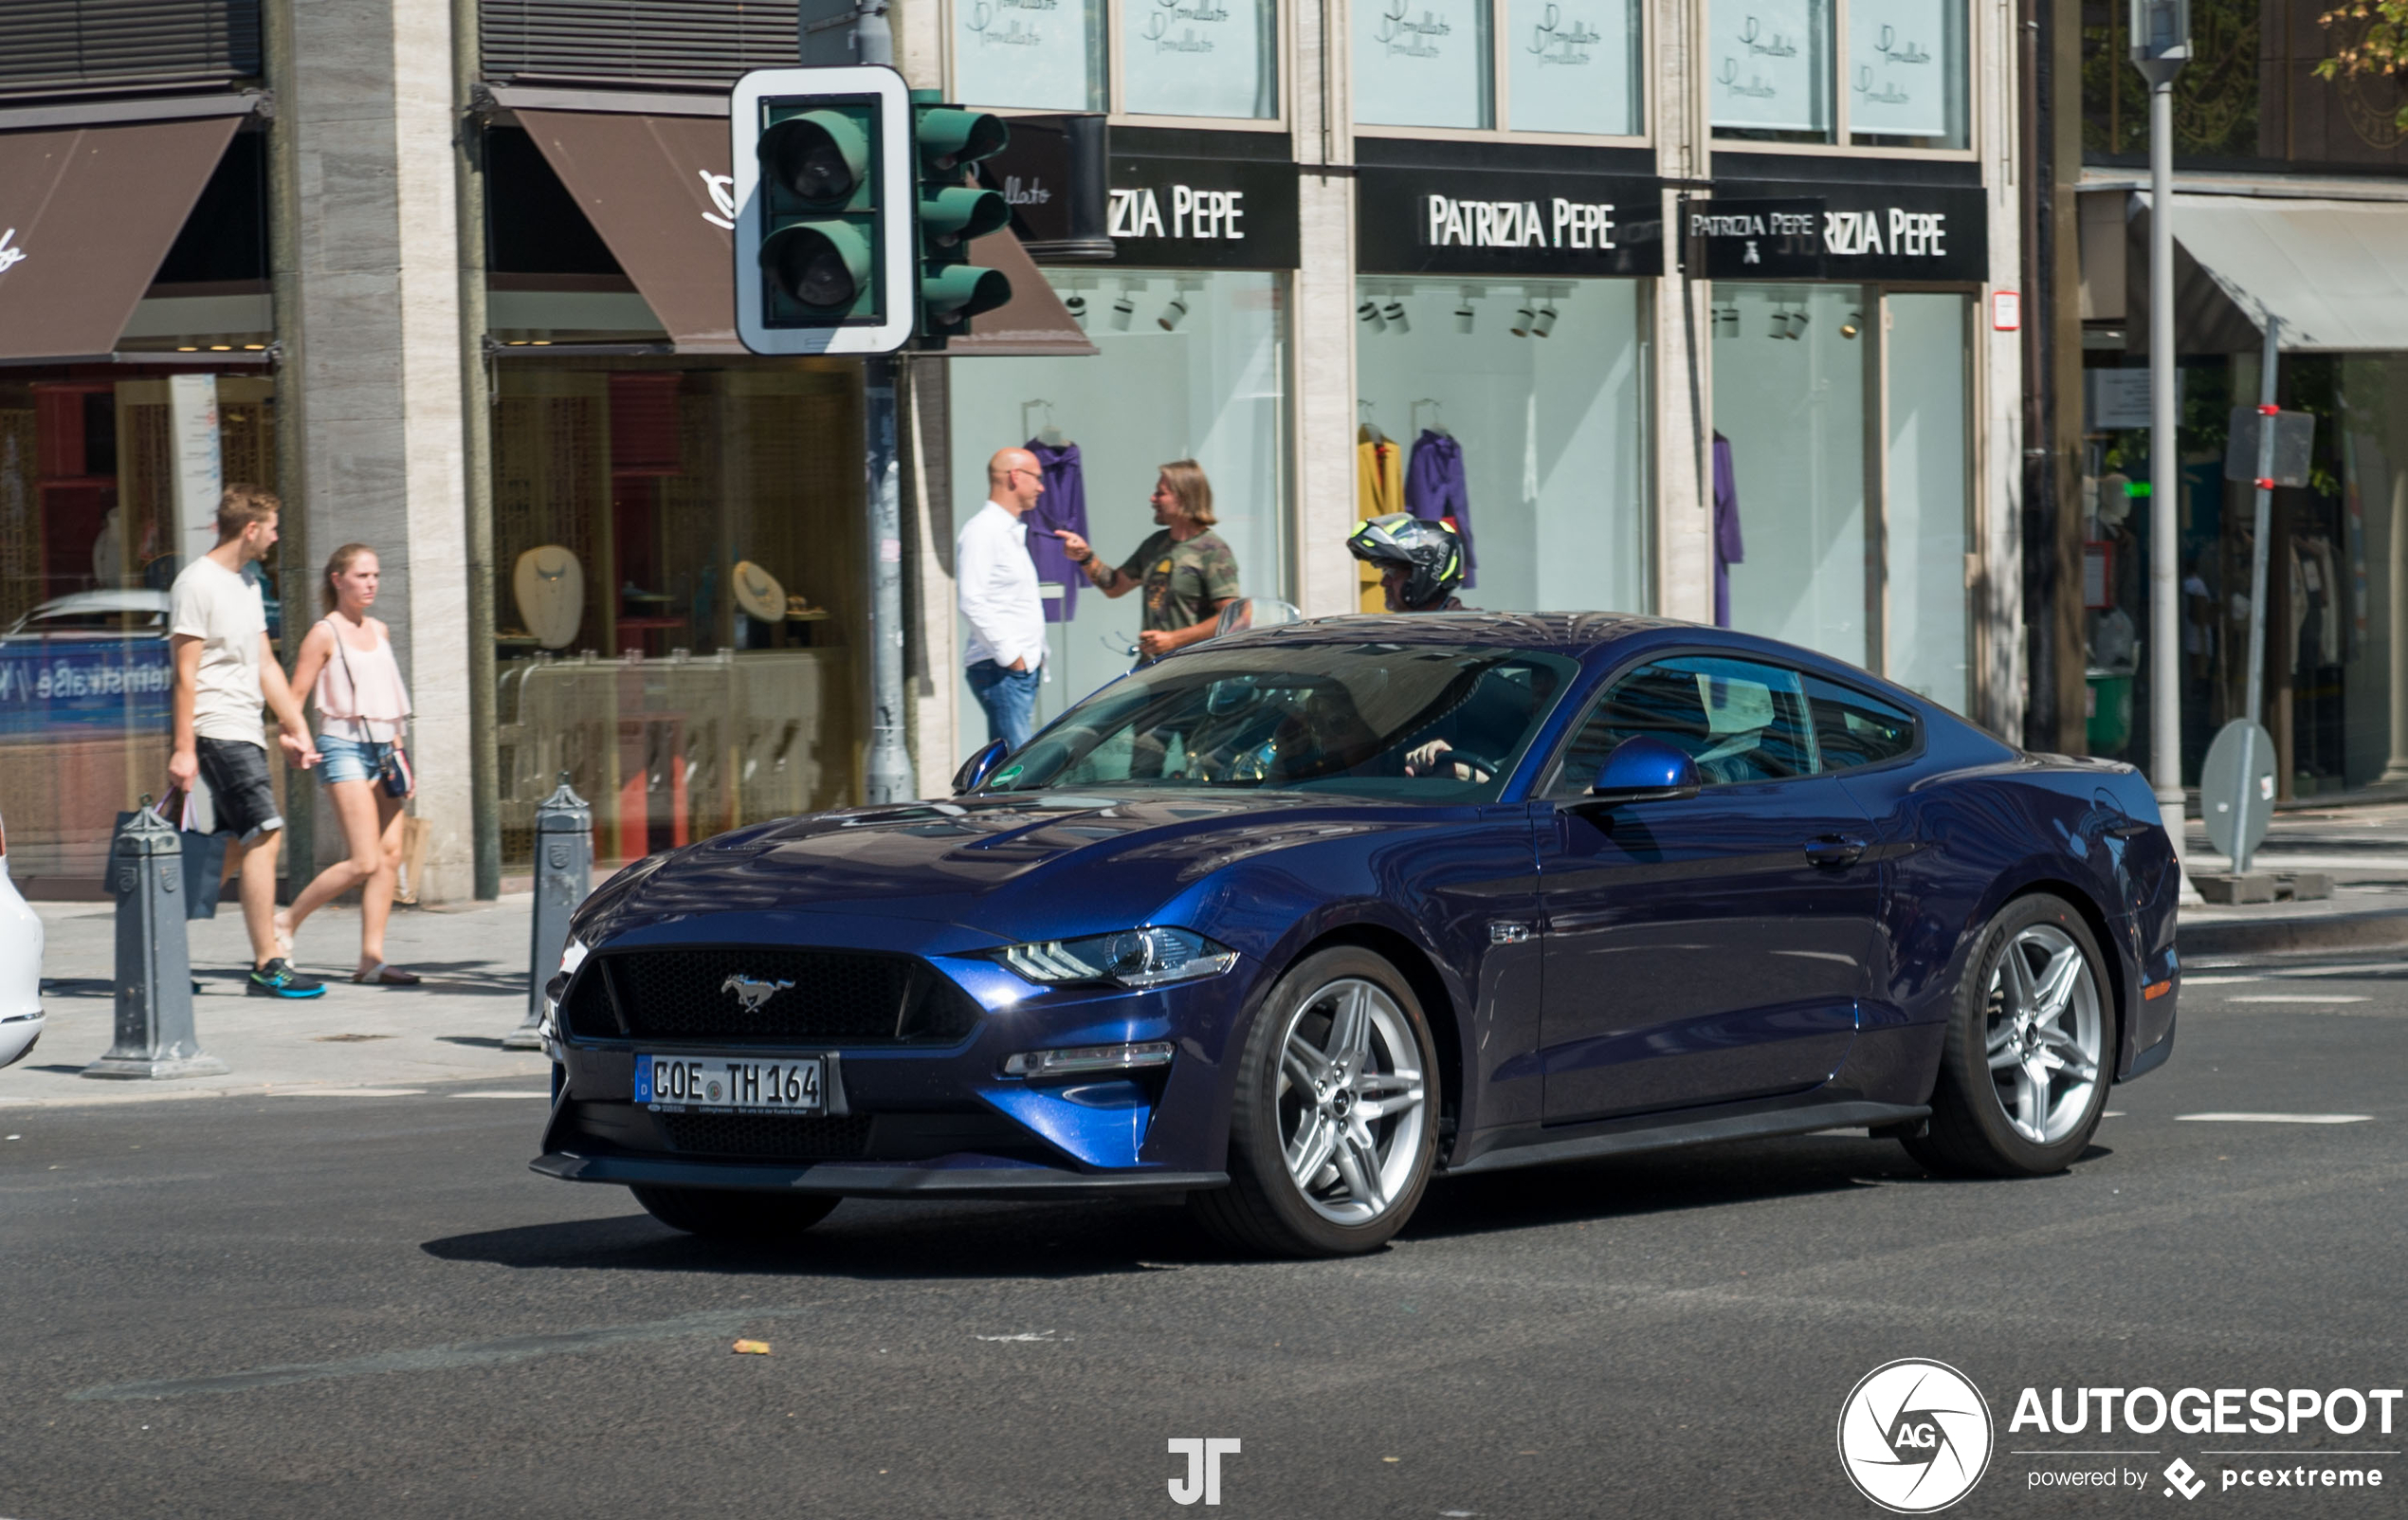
2237, 789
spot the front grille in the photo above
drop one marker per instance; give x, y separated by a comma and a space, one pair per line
690, 994
825, 1138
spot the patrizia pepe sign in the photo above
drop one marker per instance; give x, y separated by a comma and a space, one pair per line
1506, 222
1852, 232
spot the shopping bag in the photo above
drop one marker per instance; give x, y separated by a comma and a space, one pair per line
204, 853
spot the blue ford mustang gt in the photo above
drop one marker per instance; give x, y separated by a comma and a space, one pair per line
1294, 920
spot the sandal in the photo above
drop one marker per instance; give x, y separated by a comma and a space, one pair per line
381, 975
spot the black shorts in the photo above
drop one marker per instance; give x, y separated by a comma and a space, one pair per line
236, 771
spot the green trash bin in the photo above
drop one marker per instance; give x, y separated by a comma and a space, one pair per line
2110, 723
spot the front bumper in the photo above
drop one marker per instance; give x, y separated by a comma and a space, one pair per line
912, 1119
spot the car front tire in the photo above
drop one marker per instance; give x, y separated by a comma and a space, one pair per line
2030, 1051
749, 1218
1334, 1128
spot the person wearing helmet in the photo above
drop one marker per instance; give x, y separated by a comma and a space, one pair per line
1420, 563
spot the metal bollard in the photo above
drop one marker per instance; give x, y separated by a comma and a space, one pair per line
563, 875
155, 1036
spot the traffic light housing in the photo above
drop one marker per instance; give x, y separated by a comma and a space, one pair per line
825, 243
950, 211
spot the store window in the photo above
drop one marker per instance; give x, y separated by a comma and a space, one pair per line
1192, 365
1200, 57
1860, 555
1782, 71
677, 595
1520, 408
104, 497
1559, 67
1423, 63
1040, 55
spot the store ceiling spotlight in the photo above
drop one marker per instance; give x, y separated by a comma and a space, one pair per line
1725, 322
1854, 324
1173, 314
1395, 312
1368, 314
1464, 317
1076, 304
1544, 324
1123, 307
1522, 318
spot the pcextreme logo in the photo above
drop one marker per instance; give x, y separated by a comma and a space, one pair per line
1914, 1435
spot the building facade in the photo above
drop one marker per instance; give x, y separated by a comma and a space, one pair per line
1699, 307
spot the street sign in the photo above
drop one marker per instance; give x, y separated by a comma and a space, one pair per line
2294, 440
2238, 802
825, 249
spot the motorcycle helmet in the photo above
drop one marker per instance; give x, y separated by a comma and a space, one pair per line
1429, 553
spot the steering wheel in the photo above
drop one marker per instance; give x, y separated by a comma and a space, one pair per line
1489, 770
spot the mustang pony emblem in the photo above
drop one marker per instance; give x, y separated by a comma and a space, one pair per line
751, 991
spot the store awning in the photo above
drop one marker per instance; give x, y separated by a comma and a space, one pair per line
86, 214
656, 187
2336, 272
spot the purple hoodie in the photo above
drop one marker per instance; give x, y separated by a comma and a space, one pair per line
1063, 506
1434, 489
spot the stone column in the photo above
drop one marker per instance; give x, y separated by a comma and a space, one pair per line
1322, 326
369, 103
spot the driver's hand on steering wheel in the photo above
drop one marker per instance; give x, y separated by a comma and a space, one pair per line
1423, 760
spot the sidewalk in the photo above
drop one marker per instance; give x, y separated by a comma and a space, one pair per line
2362, 848
474, 959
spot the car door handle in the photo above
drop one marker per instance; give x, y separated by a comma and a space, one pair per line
1834, 850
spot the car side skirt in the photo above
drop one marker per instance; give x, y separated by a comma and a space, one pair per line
847, 1180
1616, 1137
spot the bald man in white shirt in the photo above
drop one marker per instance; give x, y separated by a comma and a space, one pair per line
997, 583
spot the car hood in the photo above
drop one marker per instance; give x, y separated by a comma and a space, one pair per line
990, 862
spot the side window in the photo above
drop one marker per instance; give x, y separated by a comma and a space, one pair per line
1741, 721
1852, 729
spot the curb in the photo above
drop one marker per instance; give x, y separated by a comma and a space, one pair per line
2382, 929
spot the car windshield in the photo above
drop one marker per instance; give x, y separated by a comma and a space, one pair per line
1434, 723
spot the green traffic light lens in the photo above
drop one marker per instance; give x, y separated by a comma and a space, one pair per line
823, 174
822, 278
818, 157
823, 266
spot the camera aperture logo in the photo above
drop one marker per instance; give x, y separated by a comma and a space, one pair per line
1914, 1435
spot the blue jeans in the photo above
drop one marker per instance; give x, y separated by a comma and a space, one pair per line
1009, 698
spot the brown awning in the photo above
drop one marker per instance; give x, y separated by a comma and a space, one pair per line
86, 214
647, 183
1031, 323
653, 186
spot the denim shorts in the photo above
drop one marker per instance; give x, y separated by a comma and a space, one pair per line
349, 760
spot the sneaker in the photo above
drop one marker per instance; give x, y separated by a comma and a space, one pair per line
278, 980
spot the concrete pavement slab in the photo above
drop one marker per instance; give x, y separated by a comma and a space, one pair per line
447, 1029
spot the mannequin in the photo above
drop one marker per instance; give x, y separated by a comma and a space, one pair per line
549, 584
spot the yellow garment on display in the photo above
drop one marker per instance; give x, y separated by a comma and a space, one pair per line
1379, 488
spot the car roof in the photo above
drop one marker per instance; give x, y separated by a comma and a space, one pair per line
1570, 633
136, 599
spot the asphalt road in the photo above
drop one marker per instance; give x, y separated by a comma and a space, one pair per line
366, 1306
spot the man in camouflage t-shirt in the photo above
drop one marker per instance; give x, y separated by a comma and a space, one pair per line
1185, 570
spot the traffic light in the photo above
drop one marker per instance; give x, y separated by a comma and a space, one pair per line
951, 212
825, 247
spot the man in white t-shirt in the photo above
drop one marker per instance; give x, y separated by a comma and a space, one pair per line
997, 583
226, 669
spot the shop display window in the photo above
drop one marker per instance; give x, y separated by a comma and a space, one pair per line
677, 566
1929, 518
101, 505
1521, 410
1192, 365
1790, 377
1039, 55
1423, 63
1575, 67
1776, 70
1200, 57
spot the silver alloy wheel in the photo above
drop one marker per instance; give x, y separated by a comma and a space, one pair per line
1350, 1101
2043, 1031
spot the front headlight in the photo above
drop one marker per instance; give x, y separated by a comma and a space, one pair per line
1132, 957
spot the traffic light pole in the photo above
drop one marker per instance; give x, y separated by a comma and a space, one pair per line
889, 777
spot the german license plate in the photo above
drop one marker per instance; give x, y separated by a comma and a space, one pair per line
732, 1084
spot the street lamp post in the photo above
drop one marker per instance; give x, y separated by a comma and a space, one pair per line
2160, 45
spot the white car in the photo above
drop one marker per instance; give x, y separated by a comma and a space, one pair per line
20, 966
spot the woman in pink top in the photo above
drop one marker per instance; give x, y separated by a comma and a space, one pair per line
347, 664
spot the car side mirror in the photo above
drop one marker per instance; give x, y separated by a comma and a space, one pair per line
975, 770
1643, 770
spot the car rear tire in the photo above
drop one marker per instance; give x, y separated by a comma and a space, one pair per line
718, 1213
1334, 1129
2030, 1051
